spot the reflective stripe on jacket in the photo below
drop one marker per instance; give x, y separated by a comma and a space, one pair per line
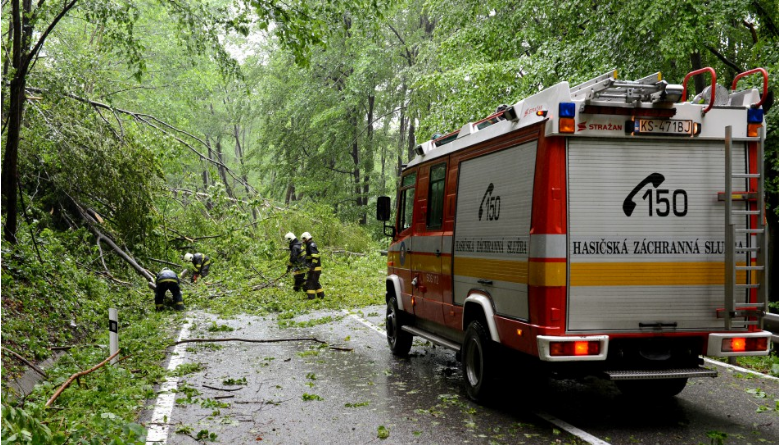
313, 258
166, 276
199, 261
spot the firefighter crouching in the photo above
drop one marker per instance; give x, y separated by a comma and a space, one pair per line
313, 262
168, 280
296, 261
200, 267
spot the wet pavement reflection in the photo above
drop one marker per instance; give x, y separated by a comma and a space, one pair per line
304, 392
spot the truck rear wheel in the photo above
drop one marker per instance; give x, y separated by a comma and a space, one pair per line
478, 364
661, 388
399, 341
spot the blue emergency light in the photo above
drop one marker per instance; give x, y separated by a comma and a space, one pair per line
755, 116
567, 110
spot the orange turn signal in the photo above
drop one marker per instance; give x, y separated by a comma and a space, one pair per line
753, 130
567, 125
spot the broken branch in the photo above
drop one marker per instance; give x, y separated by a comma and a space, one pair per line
26, 362
248, 340
76, 376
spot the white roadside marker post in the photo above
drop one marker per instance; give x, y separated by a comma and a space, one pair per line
113, 338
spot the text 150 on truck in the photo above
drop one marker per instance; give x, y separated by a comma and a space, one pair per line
610, 229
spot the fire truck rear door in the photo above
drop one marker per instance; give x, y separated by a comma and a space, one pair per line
646, 231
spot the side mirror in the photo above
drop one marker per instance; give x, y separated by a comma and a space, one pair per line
383, 208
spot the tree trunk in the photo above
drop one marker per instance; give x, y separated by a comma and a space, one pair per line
21, 35
411, 138
696, 64
11, 161
221, 168
369, 157
240, 153
290, 194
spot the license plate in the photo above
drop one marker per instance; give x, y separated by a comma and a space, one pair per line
663, 127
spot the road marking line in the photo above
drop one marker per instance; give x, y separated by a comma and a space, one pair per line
739, 368
158, 427
581, 434
364, 322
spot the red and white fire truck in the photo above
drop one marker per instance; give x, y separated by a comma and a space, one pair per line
588, 227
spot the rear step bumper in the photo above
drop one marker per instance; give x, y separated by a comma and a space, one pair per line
432, 337
681, 373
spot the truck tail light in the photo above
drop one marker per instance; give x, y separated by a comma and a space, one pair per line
574, 348
740, 344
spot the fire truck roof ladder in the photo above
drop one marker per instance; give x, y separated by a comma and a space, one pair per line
608, 89
756, 275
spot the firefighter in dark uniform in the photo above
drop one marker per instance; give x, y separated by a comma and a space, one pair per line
313, 263
296, 261
200, 267
168, 280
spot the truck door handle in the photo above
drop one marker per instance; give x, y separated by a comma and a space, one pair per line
486, 282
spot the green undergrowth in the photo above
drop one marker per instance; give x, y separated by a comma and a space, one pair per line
101, 407
349, 281
768, 364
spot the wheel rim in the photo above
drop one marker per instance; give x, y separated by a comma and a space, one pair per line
391, 325
473, 362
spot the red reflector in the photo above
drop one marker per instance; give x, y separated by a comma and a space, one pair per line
574, 348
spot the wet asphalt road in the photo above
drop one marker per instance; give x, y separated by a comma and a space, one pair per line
302, 392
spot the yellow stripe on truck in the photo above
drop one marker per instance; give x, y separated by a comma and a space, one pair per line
510, 271
650, 274
547, 274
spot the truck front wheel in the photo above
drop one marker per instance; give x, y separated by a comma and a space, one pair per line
399, 341
478, 363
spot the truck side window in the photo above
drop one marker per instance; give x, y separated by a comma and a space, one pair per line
407, 190
435, 199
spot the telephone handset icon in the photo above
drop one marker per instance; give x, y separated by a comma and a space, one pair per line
628, 205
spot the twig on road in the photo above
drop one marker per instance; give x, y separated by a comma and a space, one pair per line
222, 389
247, 340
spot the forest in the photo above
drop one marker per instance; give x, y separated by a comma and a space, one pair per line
134, 131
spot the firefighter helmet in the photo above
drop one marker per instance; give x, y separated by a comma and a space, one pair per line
290, 236
306, 236
188, 257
